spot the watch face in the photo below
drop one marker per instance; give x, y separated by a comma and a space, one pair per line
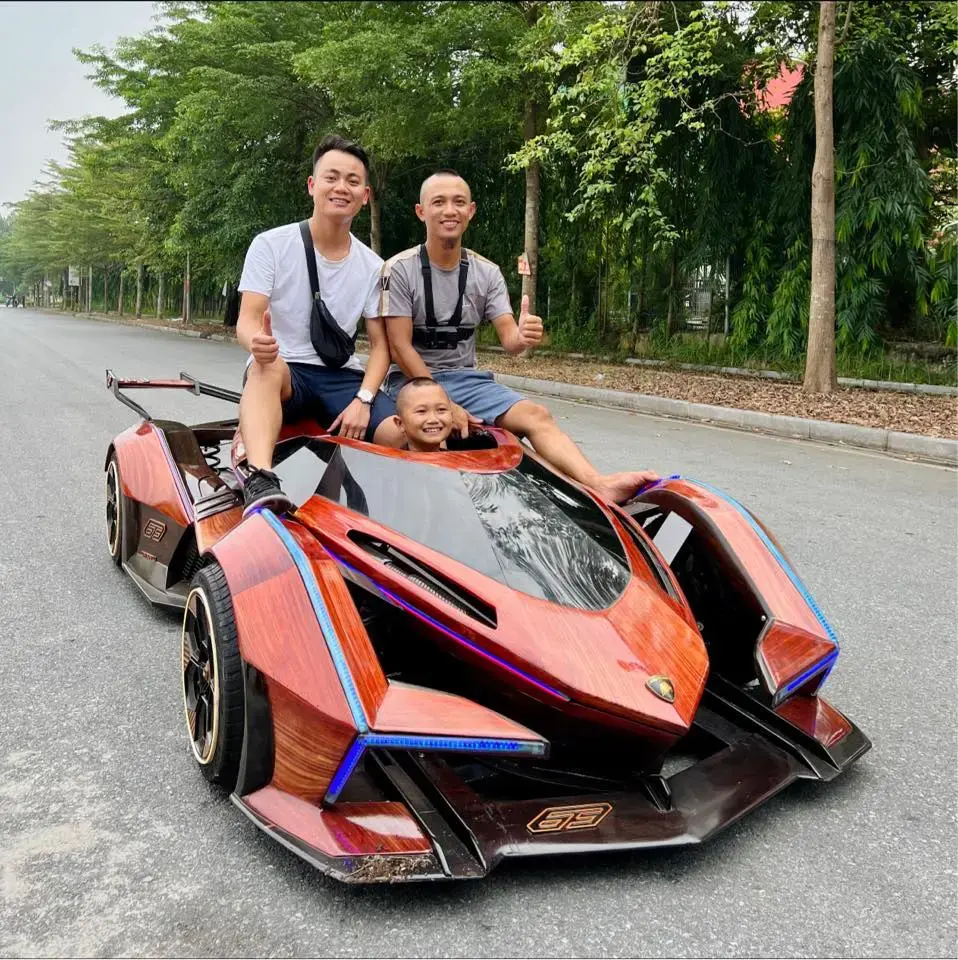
365, 396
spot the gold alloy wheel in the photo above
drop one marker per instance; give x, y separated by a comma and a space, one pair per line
201, 689
112, 509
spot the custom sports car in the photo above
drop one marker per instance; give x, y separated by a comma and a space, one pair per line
440, 660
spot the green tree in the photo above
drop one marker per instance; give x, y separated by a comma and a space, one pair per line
820, 356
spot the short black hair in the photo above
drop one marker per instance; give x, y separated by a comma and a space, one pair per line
417, 382
334, 142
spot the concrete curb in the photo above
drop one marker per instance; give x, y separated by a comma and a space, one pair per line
933, 449
133, 322
893, 442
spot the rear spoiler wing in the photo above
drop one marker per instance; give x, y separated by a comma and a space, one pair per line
185, 382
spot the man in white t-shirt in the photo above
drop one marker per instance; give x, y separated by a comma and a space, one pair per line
285, 378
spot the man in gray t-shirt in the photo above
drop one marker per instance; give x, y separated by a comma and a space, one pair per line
485, 298
433, 298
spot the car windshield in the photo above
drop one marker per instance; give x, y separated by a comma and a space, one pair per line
526, 527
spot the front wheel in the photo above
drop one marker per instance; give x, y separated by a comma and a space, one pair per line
213, 696
116, 521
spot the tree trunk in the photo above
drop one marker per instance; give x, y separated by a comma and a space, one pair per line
375, 214
187, 306
820, 355
673, 270
573, 312
531, 12
530, 241
159, 297
139, 290
598, 299
89, 290
375, 228
377, 182
106, 289
640, 306
119, 299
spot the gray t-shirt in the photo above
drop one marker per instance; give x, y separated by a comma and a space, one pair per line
486, 298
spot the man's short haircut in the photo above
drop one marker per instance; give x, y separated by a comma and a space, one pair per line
334, 142
411, 385
445, 172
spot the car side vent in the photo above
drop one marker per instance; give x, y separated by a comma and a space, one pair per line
426, 578
650, 558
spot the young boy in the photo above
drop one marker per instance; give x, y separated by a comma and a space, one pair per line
423, 415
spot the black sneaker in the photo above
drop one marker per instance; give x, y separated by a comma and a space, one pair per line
262, 489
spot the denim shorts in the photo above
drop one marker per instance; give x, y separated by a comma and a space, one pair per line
323, 394
475, 390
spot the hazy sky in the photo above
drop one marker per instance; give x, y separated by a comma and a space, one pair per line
41, 80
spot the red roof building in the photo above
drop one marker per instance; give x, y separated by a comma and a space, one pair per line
778, 93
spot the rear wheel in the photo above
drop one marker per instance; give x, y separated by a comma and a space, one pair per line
213, 696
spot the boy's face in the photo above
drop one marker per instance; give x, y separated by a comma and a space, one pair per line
425, 416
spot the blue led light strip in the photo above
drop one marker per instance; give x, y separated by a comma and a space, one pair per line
345, 771
790, 573
451, 633
415, 741
406, 741
824, 664
322, 616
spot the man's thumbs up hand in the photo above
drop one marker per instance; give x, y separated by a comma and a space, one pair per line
530, 326
263, 347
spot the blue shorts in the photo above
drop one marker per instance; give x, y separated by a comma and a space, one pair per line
475, 390
323, 394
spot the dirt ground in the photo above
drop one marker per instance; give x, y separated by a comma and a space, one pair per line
934, 416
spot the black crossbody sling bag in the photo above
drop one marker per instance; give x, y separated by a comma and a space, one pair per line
329, 341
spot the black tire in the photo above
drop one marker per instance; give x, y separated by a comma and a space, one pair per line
213, 693
118, 527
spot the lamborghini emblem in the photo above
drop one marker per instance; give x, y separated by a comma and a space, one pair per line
662, 688
582, 816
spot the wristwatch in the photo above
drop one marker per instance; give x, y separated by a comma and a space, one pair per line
365, 396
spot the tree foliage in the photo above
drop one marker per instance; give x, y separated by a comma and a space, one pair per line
660, 157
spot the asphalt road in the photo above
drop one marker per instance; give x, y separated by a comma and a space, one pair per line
111, 843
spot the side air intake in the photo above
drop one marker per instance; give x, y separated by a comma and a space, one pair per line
426, 578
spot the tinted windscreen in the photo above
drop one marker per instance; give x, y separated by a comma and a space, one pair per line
520, 528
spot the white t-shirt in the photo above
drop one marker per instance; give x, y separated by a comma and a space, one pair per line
276, 267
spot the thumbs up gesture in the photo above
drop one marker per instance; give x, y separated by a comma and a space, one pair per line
263, 346
530, 326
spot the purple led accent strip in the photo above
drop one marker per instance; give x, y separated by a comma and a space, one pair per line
451, 633
177, 477
655, 483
